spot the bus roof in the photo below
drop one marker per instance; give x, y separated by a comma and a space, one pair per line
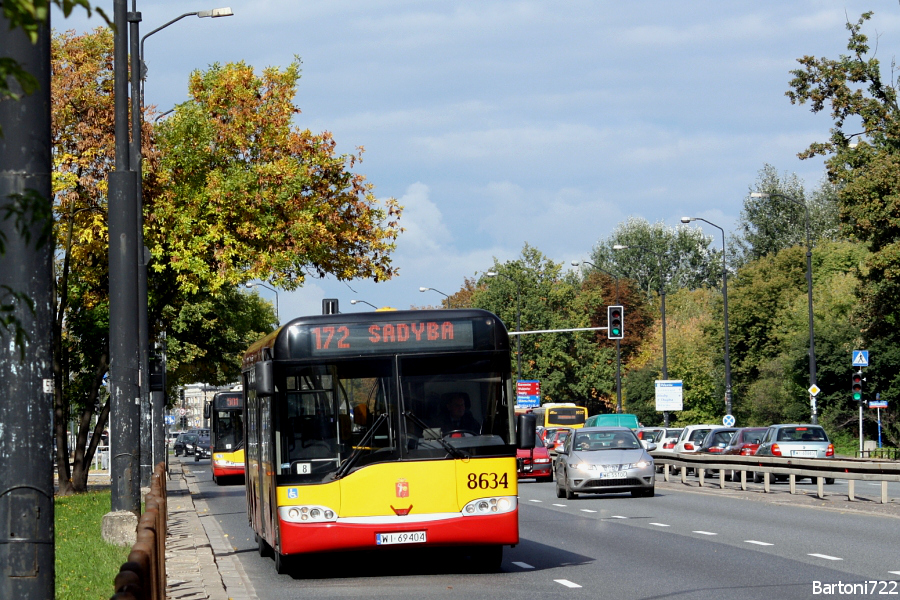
372, 333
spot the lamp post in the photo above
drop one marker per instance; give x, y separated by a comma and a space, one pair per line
251, 285
152, 430
426, 289
809, 291
662, 311
518, 321
728, 405
214, 13
576, 263
354, 301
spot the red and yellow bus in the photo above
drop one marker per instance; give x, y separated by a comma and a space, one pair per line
226, 430
561, 414
375, 430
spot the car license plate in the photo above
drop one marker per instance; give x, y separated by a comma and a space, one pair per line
614, 475
806, 453
405, 537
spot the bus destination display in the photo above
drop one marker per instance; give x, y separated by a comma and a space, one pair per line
390, 336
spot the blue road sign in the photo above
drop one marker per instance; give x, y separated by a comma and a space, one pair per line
728, 421
860, 358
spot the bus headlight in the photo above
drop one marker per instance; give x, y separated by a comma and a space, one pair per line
490, 506
306, 514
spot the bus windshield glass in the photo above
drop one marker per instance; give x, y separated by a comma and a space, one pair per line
339, 416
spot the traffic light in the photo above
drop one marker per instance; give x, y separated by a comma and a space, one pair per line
615, 320
857, 386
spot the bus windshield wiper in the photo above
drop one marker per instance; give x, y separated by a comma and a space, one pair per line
453, 450
357, 452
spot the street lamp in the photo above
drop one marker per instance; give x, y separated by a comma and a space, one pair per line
725, 303
426, 289
518, 321
576, 263
214, 13
662, 310
809, 290
363, 302
251, 285
156, 406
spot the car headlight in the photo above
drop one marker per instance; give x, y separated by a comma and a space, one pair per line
585, 467
638, 465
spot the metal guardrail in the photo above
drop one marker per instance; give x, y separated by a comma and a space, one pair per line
143, 577
850, 469
882, 453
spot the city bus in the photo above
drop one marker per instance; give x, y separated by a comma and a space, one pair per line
560, 414
226, 424
372, 431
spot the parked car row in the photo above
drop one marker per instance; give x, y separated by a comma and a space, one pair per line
794, 440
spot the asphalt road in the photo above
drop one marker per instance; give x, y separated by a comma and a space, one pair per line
682, 543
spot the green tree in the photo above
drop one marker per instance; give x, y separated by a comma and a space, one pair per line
863, 162
246, 195
770, 224
569, 365
678, 257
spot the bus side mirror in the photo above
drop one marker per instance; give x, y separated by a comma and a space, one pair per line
206, 410
525, 431
264, 383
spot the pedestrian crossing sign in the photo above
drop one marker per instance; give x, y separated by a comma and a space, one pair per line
860, 358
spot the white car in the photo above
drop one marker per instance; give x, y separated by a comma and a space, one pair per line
691, 438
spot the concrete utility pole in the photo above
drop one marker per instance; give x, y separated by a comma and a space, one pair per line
26, 376
125, 393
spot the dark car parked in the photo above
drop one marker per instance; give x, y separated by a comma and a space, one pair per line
203, 448
716, 440
185, 443
744, 442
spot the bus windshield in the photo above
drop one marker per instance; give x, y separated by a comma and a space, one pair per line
229, 431
342, 415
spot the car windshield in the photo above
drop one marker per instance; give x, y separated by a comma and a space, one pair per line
605, 440
698, 434
802, 434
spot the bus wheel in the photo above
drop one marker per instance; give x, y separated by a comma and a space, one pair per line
262, 546
283, 563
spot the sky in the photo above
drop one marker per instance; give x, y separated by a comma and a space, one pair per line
501, 123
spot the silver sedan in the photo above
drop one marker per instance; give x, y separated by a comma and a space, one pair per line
602, 460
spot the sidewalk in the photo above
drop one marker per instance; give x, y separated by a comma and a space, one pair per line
199, 561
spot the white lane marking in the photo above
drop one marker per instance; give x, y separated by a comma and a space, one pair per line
588, 510
894, 572
706, 533
567, 583
659, 524
618, 517
825, 556
535, 500
560, 505
522, 565
758, 543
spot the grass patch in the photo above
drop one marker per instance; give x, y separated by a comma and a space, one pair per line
85, 564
